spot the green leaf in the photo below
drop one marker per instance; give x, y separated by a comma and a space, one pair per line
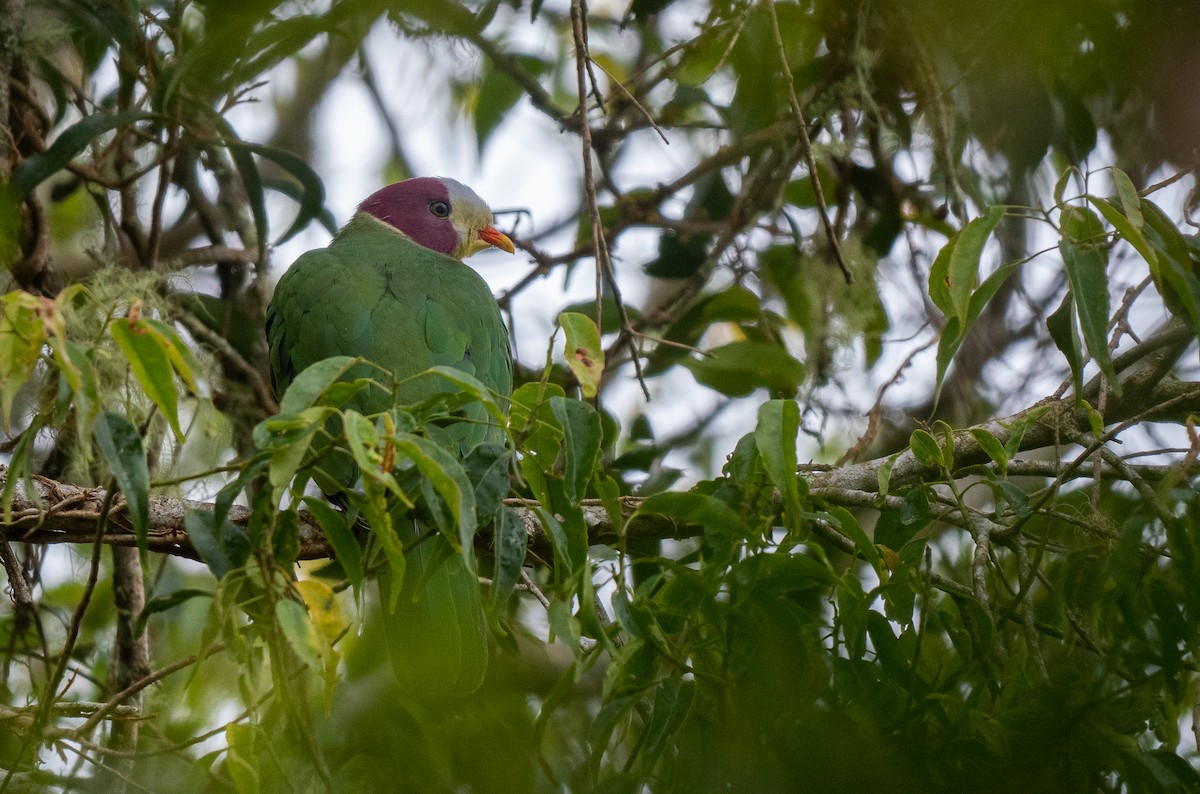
888, 650
1131, 202
221, 545
241, 756
297, 629
471, 385
734, 304
121, 445
992, 447
1061, 325
22, 335
738, 368
151, 364
312, 195
955, 270
569, 552
926, 449
307, 387
884, 474
183, 360
695, 508
1060, 187
533, 423
1082, 225
165, 603
288, 450
497, 93
782, 573
680, 255
444, 472
582, 351
1125, 227
509, 542
963, 271
339, 532
487, 466
247, 169
279, 40
37, 169
775, 436
956, 328
581, 444
845, 523
672, 704
20, 470
1088, 275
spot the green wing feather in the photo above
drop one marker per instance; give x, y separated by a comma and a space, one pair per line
373, 293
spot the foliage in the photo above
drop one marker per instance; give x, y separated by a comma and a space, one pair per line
988, 590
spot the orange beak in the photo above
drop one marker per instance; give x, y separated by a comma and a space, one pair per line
493, 236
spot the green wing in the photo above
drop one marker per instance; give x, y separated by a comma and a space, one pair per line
378, 295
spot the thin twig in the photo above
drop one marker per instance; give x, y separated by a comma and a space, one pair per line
114, 702
809, 159
600, 245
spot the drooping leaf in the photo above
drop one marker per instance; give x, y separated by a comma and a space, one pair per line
487, 466
22, 335
672, 703
497, 92
1061, 325
679, 255
955, 271
471, 385
956, 329
182, 359
445, 473
312, 189
1088, 275
775, 436
533, 423
290, 448
846, 523
150, 363
243, 160
581, 443
339, 532
221, 545
167, 602
297, 629
992, 448
38, 168
121, 445
1131, 202
510, 542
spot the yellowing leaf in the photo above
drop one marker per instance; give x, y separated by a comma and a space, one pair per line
324, 608
22, 335
583, 352
150, 363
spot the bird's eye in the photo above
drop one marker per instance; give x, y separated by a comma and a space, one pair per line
440, 209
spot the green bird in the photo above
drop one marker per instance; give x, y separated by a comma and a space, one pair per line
392, 288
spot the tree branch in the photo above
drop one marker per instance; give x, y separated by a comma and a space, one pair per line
48, 512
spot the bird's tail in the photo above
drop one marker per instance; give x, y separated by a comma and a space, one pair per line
434, 623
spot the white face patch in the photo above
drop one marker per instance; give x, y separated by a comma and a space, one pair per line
470, 215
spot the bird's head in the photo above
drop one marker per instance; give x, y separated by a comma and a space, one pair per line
439, 213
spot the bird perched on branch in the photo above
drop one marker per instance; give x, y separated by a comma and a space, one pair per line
392, 288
